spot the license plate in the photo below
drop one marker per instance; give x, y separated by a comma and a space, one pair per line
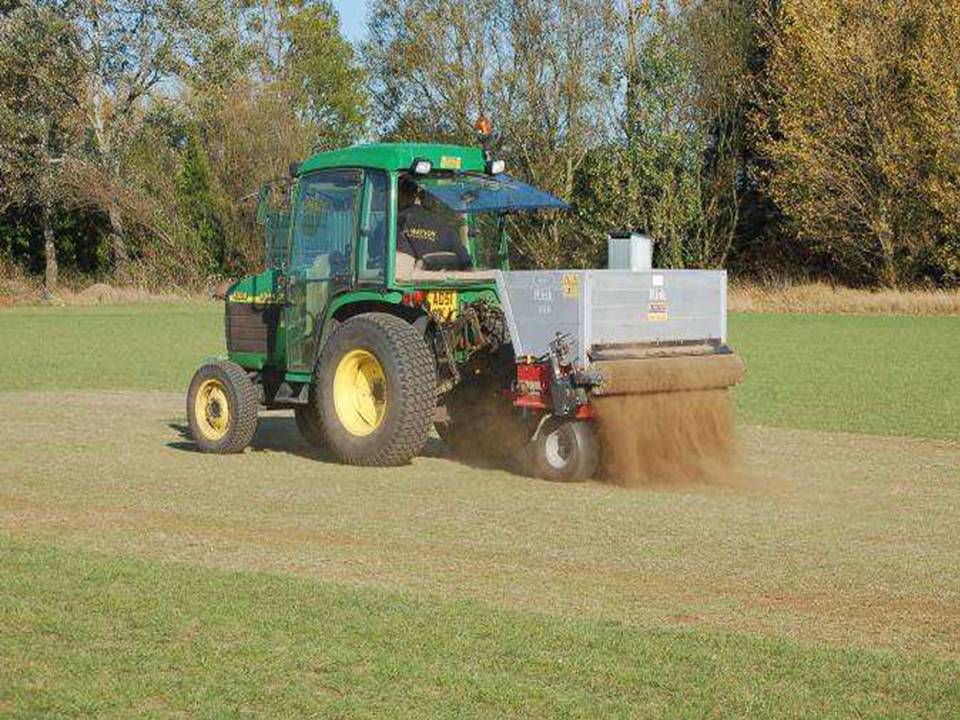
443, 303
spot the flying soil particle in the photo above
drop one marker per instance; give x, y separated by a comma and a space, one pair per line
667, 438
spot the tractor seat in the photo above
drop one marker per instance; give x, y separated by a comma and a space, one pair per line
407, 268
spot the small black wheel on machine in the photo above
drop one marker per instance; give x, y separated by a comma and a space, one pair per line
564, 450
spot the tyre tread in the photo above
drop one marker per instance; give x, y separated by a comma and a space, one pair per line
586, 453
247, 404
417, 391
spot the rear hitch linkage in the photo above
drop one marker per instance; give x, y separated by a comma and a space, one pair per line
569, 384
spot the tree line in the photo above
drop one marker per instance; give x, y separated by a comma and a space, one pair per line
797, 138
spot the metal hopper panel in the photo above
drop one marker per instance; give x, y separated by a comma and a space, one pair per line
613, 308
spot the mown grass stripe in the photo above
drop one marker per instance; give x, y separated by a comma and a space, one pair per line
87, 635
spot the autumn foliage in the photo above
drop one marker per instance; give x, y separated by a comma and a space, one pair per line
804, 139
857, 118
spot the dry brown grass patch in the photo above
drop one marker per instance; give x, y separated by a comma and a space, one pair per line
104, 294
20, 291
822, 298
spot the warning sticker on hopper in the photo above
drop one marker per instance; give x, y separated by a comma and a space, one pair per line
571, 285
658, 311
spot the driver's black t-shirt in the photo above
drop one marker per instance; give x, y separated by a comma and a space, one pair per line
421, 232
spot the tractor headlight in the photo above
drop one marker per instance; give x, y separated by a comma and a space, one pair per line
496, 167
421, 167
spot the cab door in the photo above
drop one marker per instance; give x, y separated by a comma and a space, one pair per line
325, 230
371, 255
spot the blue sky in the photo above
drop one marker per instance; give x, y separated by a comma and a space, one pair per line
353, 17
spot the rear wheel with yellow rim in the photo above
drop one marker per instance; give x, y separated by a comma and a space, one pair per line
222, 406
360, 392
375, 390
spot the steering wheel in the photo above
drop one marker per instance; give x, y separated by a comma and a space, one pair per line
441, 260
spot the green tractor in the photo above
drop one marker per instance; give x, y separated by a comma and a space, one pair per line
387, 307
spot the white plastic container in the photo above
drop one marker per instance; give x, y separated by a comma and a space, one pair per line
629, 251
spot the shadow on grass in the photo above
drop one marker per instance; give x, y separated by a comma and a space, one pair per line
274, 434
279, 433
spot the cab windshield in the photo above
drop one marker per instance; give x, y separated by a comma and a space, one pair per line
475, 193
468, 210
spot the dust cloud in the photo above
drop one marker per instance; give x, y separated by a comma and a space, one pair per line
667, 438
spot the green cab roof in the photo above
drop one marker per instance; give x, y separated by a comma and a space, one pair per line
397, 156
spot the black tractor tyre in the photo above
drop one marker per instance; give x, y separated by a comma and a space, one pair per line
222, 407
308, 423
564, 451
406, 385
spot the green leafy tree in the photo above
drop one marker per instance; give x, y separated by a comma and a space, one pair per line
538, 69
129, 48
39, 67
857, 115
300, 90
327, 87
197, 205
649, 176
604, 102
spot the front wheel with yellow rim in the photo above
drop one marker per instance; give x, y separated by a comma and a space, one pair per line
222, 406
375, 391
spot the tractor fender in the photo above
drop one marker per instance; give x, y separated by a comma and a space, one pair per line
350, 305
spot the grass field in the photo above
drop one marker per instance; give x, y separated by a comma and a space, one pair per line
143, 579
882, 375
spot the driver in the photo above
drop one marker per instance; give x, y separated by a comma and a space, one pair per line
426, 235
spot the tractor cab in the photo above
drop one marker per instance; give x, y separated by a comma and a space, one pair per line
452, 225
439, 217
388, 224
